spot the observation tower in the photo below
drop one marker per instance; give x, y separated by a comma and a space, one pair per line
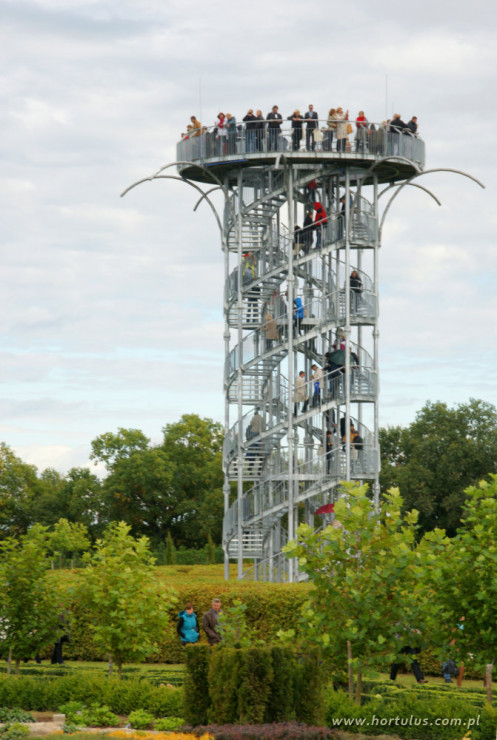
297, 301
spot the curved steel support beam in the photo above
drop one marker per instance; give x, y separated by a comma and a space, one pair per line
368, 172
409, 182
157, 175
187, 182
217, 187
414, 185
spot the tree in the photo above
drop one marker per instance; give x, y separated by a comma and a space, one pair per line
28, 609
175, 486
67, 538
19, 489
437, 457
367, 582
194, 447
119, 587
464, 577
170, 555
80, 500
139, 492
110, 448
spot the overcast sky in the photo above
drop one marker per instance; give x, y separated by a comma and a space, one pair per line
111, 309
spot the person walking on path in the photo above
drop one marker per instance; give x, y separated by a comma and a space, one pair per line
210, 623
187, 627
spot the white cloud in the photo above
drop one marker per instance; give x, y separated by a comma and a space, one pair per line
110, 309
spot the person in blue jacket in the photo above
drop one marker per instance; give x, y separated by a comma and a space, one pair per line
187, 627
298, 314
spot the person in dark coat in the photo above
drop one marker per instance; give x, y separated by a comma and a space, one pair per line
307, 232
57, 657
210, 623
355, 283
297, 122
249, 131
274, 120
311, 117
259, 126
413, 125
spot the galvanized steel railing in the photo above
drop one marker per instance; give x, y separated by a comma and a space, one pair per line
378, 140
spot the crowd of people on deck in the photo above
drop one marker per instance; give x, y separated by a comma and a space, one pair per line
263, 133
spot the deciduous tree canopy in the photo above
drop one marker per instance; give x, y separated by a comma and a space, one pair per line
437, 457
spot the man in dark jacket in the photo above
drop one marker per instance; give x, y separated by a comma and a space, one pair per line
311, 118
274, 128
413, 125
210, 622
249, 131
259, 126
307, 232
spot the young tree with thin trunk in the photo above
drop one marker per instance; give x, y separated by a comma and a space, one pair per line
464, 577
28, 607
367, 578
129, 607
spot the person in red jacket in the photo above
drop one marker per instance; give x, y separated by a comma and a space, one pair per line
320, 221
361, 136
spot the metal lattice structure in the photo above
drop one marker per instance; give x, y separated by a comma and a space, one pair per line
290, 305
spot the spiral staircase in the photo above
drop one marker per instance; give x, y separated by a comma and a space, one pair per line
283, 461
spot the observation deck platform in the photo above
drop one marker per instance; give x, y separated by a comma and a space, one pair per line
390, 155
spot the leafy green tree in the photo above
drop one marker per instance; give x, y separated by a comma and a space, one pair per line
170, 554
210, 550
194, 447
175, 486
138, 491
81, 500
19, 489
464, 579
68, 538
110, 448
437, 457
28, 609
119, 587
235, 631
367, 578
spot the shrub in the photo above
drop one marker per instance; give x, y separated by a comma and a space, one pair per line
14, 731
98, 716
122, 697
309, 694
275, 731
15, 715
487, 729
255, 676
141, 720
253, 685
412, 714
223, 685
196, 686
72, 710
270, 607
168, 724
281, 705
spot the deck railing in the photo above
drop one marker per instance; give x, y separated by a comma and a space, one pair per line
378, 139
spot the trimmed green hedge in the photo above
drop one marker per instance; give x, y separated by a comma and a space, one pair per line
122, 697
424, 714
252, 686
270, 607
